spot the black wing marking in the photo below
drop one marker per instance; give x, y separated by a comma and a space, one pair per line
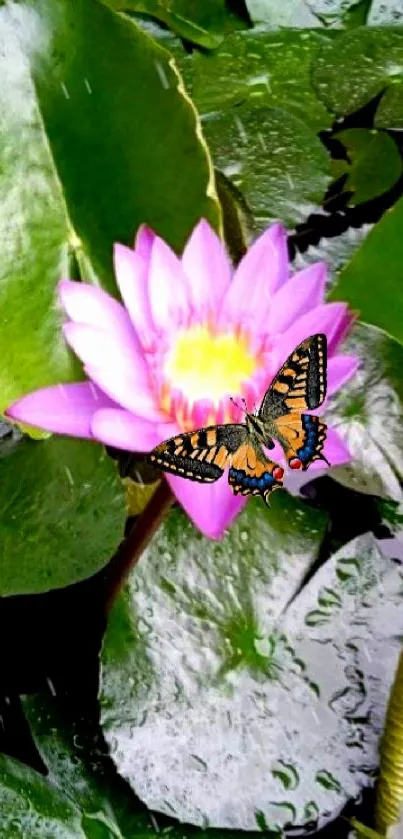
200, 455
301, 383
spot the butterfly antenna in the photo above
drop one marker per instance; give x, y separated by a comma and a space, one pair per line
234, 403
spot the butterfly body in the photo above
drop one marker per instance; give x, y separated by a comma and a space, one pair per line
204, 455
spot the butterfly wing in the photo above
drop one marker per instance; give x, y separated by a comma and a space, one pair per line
300, 385
200, 455
251, 472
302, 437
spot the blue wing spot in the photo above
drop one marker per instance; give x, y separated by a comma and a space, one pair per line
306, 451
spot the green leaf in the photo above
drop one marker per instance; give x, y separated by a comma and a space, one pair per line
63, 514
273, 158
85, 157
374, 163
31, 808
228, 677
270, 68
358, 65
202, 23
372, 282
368, 414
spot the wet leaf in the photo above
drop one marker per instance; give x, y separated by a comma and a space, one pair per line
268, 68
358, 65
368, 412
276, 161
79, 770
373, 166
202, 23
76, 171
63, 514
224, 684
31, 808
372, 282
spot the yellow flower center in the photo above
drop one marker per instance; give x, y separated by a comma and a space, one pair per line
205, 365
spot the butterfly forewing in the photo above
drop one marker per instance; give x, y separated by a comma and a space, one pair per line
200, 455
300, 385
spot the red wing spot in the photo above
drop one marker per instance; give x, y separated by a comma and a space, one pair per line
278, 473
295, 463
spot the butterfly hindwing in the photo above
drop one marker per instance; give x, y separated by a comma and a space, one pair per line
300, 385
302, 437
200, 455
251, 473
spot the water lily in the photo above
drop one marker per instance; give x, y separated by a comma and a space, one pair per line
190, 334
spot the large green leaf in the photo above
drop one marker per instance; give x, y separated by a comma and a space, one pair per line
355, 67
373, 281
85, 157
204, 23
270, 68
31, 808
368, 413
62, 514
225, 703
373, 165
273, 157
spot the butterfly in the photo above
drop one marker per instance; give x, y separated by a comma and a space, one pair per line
204, 455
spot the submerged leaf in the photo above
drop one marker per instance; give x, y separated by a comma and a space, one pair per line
276, 161
358, 65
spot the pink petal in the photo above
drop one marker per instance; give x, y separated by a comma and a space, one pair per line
124, 430
261, 272
166, 288
62, 409
114, 367
343, 328
303, 292
207, 268
340, 369
92, 306
326, 318
211, 507
144, 241
131, 272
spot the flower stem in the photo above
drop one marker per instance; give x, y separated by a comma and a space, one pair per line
130, 550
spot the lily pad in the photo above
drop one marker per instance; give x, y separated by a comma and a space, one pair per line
79, 769
277, 162
372, 281
82, 165
368, 414
230, 699
270, 68
373, 166
358, 65
63, 514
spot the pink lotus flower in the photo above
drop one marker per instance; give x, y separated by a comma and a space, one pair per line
190, 335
